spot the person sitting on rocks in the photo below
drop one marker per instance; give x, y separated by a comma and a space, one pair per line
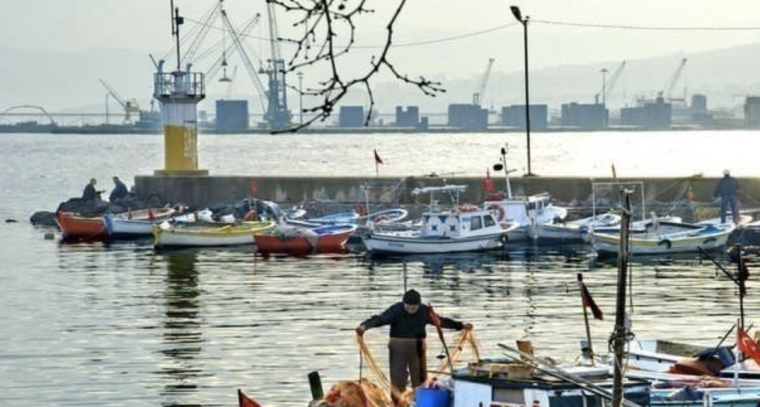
119, 190
90, 194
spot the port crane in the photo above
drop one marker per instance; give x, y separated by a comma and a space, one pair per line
607, 89
130, 106
278, 116
478, 96
672, 82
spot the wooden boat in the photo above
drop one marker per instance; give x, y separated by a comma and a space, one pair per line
461, 229
290, 239
343, 217
75, 226
189, 235
664, 237
575, 231
136, 223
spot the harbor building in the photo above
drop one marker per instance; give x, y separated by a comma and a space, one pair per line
752, 112
351, 116
467, 116
231, 116
650, 115
585, 116
409, 117
514, 116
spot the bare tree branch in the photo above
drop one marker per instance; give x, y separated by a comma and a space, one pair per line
324, 22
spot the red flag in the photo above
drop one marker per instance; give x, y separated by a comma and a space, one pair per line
245, 401
588, 301
378, 160
747, 345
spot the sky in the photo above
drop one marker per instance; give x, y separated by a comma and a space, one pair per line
442, 39
143, 25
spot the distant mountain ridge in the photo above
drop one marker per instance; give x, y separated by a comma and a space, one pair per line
62, 81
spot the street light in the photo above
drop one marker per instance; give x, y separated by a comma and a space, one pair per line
300, 94
604, 85
524, 21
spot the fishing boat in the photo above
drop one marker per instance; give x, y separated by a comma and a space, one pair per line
75, 226
462, 228
290, 239
662, 237
574, 231
136, 223
342, 217
190, 235
529, 212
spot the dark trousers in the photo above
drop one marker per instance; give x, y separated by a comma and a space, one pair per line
407, 359
729, 201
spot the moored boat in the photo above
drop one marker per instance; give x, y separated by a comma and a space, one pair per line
75, 226
462, 228
189, 235
660, 237
136, 223
289, 239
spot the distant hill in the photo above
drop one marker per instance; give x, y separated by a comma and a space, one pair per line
69, 81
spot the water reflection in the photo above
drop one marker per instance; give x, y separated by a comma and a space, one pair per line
182, 327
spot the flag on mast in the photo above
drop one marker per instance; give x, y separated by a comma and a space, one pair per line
588, 301
378, 161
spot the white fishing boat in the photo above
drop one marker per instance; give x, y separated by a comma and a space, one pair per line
574, 231
136, 223
462, 228
527, 212
662, 237
190, 235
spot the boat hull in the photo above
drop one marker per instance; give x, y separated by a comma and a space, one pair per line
208, 237
410, 244
329, 239
76, 227
707, 238
140, 223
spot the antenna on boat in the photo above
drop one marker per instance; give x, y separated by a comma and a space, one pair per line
503, 166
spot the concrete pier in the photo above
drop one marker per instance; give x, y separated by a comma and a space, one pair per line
201, 191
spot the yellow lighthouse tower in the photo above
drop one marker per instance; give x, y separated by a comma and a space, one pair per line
179, 93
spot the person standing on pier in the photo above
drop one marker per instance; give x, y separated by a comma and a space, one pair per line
727, 190
407, 348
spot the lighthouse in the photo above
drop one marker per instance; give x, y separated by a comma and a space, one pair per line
178, 94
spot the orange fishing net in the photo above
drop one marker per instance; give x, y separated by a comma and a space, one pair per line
375, 392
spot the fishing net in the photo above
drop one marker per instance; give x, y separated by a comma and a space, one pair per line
377, 388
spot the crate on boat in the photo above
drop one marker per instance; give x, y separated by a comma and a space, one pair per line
505, 370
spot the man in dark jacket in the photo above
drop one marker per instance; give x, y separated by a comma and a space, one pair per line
119, 190
90, 193
407, 338
727, 190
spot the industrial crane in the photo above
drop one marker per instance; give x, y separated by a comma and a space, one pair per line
278, 116
130, 106
244, 56
226, 49
477, 96
607, 89
670, 85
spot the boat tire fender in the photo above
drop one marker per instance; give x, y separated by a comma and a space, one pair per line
667, 243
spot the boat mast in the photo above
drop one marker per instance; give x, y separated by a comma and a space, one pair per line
620, 333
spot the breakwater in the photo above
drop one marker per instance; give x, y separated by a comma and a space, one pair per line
572, 191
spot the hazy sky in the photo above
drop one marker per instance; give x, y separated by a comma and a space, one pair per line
445, 40
143, 25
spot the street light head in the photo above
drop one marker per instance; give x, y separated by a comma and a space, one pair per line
516, 13
498, 167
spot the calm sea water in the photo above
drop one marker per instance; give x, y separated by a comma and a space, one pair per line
121, 324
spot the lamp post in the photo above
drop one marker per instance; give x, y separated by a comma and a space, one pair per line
524, 21
604, 85
108, 94
300, 95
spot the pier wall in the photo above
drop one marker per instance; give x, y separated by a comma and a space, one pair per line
202, 191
